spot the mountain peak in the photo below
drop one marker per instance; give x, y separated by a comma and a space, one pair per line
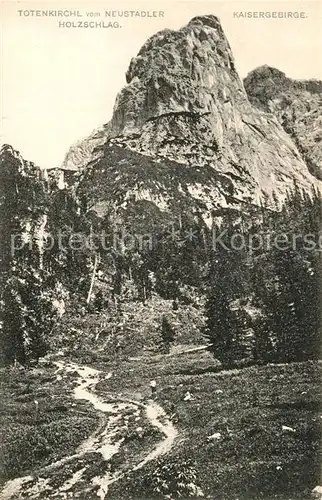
206, 20
297, 106
266, 71
276, 80
185, 114
177, 71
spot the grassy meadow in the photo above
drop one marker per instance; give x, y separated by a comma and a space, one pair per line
251, 433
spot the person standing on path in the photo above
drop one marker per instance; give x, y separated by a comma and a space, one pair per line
153, 386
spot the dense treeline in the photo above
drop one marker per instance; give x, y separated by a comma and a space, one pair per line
264, 300
262, 293
27, 289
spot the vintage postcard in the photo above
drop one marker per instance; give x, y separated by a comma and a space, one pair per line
160, 252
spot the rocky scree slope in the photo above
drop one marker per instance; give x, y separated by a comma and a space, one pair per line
297, 104
183, 130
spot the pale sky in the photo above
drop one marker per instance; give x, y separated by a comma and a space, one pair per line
58, 84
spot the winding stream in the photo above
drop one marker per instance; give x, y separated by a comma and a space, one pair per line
102, 442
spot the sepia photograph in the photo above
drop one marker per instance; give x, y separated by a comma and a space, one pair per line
160, 250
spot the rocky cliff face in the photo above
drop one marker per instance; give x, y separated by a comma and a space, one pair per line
24, 192
183, 129
298, 107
